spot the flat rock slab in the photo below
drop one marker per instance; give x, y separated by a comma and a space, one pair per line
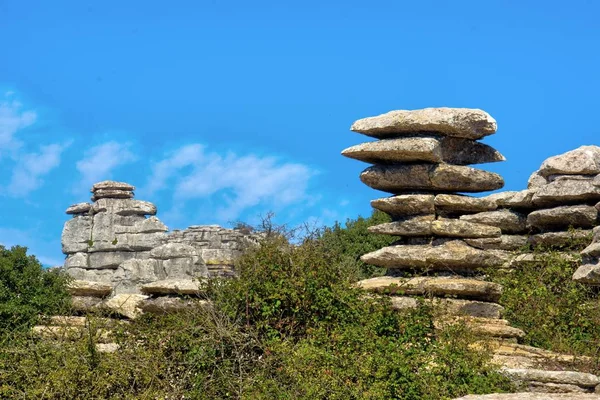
111, 194
126, 305
566, 191
428, 149
124, 207
456, 203
488, 327
406, 204
588, 274
593, 250
560, 239
452, 255
566, 377
173, 250
457, 122
531, 396
450, 307
584, 160
463, 288
419, 225
172, 286
112, 185
521, 199
87, 288
463, 229
508, 221
431, 177
504, 242
79, 208
563, 217
169, 305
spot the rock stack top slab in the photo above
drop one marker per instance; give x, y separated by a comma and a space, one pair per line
112, 190
457, 122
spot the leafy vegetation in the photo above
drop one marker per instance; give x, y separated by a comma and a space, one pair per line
556, 312
291, 327
27, 290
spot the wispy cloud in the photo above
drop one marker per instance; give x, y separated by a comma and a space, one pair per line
12, 119
31, 167
240, 182
99, 161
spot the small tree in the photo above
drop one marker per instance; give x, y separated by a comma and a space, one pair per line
27, 290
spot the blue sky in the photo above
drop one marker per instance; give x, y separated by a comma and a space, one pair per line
220, 111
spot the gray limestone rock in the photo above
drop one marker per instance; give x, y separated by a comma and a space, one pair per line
406, 204
124, 207
580, 216
77, 260
148, 225
173, 250
88, 288
132, 273
458, 122
428, 149
111, 194
109, 259
451, 255
218, 256
584, 160
531, 396
569, 377
522, 199
168, 305
79, 208
431, 177
92, 275
588, 273
454, 286
536, 180
76, 235
137, 241
397, 150
463, 229
593, 250
172, 286
84, 303
451, 307
560, 239
411, 226
508, 221
566, 191
112, 185
456, 203
504, 242
126, 304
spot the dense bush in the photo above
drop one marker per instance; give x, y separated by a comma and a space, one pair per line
352, 240
27, 290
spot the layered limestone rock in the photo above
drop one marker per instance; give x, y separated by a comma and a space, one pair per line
423, 159
118, 251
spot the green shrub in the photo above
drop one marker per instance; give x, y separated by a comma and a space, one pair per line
27, 290
555, 312
353, 239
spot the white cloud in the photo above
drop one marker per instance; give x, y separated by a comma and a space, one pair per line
240, 182
99, 161
12, 119
31, 167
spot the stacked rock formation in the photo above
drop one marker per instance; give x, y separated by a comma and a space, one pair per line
558, 210
422, 158
122, 257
